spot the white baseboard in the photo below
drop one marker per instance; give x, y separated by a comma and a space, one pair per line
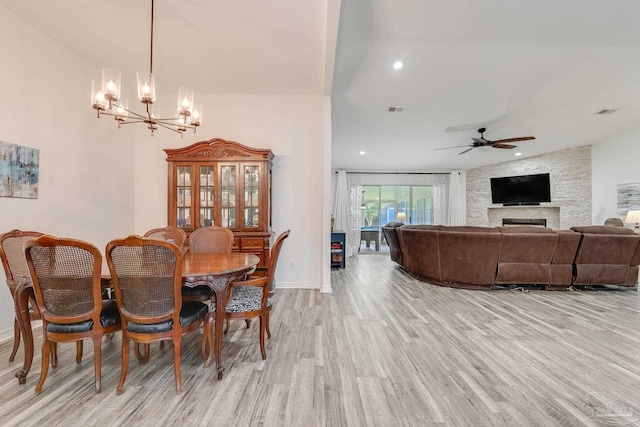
7, 334
296, 285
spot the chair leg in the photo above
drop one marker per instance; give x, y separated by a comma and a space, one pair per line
97, 360
46, 349
54, 355
248, 322
176, 363
16, 340
79, 347
263, 327
125, 363
266, 316
144, 356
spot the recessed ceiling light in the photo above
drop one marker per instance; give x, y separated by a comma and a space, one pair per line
397, 65
362, 153
518, 154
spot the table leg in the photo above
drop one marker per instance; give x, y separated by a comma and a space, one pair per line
221, 299
21, 300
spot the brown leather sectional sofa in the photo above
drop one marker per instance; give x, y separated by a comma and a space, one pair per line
481, 257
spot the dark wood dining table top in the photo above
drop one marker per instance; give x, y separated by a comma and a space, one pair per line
202, 264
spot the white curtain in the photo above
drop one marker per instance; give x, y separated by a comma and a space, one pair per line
341, 204
441, 198
457, 201
354, 182
346, 209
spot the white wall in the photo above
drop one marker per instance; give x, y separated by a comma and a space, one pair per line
615, 161
292, 127
86, 165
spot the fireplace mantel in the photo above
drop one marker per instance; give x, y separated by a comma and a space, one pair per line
549, 212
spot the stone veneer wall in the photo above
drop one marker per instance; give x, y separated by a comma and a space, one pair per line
570, 177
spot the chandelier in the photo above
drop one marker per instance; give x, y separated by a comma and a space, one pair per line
106, 99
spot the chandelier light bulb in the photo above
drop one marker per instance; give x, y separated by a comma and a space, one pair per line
98, 101
111, 84
145, 89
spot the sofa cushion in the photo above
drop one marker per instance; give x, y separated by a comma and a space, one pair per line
422, 227
469, 229
602, 229
393, 224
524, 229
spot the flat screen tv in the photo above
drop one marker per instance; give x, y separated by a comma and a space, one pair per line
521, 190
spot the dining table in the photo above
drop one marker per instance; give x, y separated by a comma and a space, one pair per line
216, 271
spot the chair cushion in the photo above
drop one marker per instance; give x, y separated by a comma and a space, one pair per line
109, 316
199, 291
191, 312
245, 299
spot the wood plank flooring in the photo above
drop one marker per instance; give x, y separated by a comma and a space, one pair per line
382, 350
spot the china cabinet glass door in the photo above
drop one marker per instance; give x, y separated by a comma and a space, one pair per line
206, 195
251, 196
183, 197
228, 195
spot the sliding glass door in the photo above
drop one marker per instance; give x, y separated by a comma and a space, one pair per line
382, 204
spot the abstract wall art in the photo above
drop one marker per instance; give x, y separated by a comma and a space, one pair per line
19, 171
628, 197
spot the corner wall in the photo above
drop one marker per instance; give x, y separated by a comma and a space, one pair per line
86, 167
570, 176
615, 161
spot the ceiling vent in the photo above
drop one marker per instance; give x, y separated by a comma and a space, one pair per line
607, 111
396, 109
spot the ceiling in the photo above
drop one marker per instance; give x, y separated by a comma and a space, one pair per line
544, 68
548, 66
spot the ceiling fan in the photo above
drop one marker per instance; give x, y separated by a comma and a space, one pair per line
482, 142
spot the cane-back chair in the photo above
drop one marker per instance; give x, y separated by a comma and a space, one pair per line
16, 270
252, 298
147, 277
169, 233
66, 277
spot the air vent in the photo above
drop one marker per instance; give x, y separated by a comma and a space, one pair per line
396, 109
608, 111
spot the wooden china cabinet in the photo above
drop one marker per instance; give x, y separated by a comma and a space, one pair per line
223, 183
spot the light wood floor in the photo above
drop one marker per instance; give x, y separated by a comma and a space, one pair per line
382, 350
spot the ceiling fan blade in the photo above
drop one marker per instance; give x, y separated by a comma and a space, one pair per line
522, 138
503, 146
457, 146
468, 149
473, 126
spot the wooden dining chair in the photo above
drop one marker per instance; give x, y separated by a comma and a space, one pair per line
66, 277
207, 240
16, 270
211, 240
252, 298
169, 233
147, 277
